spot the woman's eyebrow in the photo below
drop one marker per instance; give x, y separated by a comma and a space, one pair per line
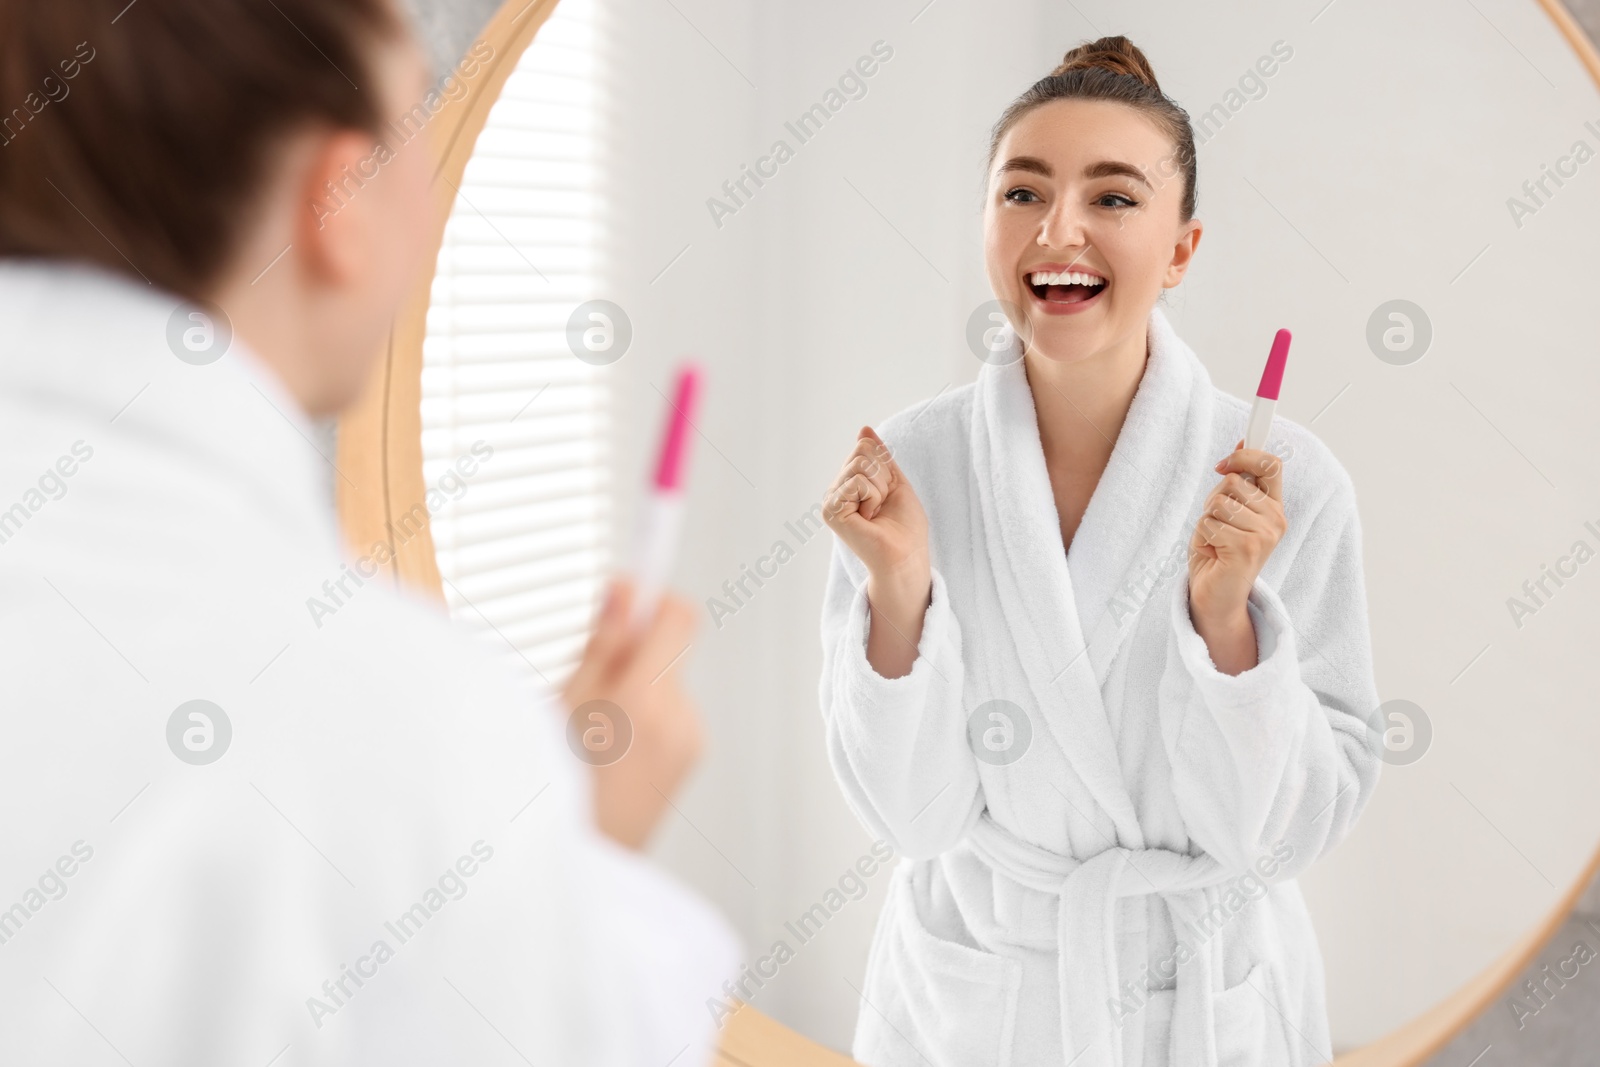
1102, 169
1105, 168
1032, 164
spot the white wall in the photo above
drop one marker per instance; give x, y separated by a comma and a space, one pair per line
1377, 166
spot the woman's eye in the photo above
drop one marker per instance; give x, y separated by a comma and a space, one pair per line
1022, 195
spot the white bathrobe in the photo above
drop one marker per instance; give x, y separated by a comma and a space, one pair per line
1112, 883
162, 528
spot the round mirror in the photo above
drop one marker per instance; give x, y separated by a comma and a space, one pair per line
795, 196
516, 421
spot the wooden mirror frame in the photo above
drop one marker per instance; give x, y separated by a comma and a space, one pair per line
382, 494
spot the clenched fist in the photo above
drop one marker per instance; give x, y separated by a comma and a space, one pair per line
875, 512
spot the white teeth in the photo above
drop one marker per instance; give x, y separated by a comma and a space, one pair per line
1073, 277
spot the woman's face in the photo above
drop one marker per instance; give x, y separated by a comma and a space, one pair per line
1086, 186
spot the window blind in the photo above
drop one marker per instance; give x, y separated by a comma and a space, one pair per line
523, 541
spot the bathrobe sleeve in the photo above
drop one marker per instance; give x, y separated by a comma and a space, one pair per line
1283, 754
897, 745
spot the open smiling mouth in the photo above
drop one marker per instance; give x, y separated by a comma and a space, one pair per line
1064, 291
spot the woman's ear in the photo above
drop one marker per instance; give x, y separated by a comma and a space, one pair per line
335, 233
1183, 253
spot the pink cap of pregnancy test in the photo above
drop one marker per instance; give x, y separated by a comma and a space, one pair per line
1272, 376
675, 443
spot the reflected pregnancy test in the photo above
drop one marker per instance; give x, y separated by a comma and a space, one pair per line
661, 515
1255, 435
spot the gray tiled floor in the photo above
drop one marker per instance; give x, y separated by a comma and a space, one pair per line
1565, 1030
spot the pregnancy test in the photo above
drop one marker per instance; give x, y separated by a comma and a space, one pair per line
661, 516
1255, 436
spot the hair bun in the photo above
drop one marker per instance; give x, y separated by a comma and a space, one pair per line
1115, 54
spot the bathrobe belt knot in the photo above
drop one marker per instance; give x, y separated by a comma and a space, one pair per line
1093, 1003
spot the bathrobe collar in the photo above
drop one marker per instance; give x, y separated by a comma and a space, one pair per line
1140, 512
93, 346
1073, 609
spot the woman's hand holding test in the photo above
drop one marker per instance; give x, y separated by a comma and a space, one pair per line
638, 671
875, 512
1242, 523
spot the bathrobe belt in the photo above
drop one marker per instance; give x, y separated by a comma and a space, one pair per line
1092, 1003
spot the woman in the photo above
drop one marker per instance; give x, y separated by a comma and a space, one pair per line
1103, 774
241, 831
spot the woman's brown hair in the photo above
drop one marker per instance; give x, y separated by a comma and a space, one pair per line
1112, 68
137, 135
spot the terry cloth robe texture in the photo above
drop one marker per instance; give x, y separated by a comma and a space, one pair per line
393, 844
1101, 870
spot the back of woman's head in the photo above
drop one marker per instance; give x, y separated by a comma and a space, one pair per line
1114, 69
137, 135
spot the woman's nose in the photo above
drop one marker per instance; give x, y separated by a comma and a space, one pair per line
1062, 226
